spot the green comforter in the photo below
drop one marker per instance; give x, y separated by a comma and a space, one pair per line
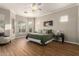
42, 37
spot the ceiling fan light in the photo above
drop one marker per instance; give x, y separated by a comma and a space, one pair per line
39, 3
33, 4
25, 12
34, 8
40, 9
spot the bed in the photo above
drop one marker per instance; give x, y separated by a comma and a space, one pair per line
40, 38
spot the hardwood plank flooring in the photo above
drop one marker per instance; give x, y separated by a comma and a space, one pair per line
22, 47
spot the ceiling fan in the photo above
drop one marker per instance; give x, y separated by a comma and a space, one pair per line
35, 7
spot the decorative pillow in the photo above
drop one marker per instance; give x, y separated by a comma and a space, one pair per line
49, 31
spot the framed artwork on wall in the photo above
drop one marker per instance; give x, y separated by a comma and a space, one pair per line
48, 23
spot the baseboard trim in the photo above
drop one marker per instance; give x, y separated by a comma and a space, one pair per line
20, 37
72, 42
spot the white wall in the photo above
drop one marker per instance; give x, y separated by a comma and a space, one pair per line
69, 28
78, 25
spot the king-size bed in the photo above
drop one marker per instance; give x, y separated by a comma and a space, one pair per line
40, 38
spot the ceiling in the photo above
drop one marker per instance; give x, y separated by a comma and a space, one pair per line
20, 8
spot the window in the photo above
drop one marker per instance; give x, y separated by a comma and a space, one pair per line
7, 26
30, 23
64, 18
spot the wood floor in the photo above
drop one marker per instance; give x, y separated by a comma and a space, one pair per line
21, 47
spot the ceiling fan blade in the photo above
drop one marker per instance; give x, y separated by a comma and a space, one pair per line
33, 4
39, 3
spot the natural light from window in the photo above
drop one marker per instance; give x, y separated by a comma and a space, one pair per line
64, 18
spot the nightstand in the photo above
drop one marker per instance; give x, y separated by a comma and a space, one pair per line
59, 36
